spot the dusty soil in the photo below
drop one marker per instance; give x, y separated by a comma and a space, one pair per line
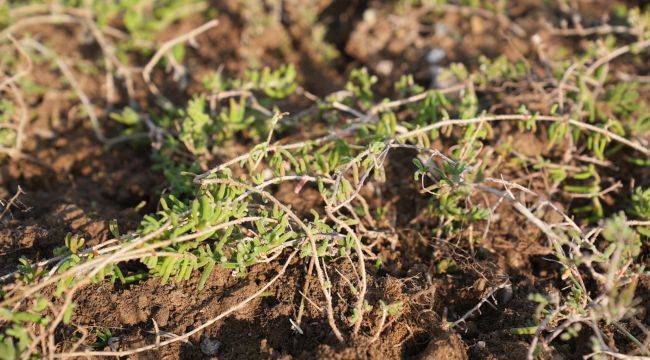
74, 184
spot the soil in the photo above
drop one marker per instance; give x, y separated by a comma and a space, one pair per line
73, 184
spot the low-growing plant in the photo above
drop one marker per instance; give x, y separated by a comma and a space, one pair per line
220, 209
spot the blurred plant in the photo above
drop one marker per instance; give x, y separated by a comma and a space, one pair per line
7, 132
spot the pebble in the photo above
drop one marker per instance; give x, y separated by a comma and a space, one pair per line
385, 67
209, 346
370, 16
435, 55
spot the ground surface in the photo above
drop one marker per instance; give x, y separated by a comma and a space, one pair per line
74, 184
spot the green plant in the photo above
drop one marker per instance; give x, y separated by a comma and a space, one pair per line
104, 337
641, 203
16, 337
7, 134
640, 209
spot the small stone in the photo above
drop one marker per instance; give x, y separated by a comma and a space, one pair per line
370, 16
209, 347
435, 55
384, 67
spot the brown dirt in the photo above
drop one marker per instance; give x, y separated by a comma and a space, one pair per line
79, 186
